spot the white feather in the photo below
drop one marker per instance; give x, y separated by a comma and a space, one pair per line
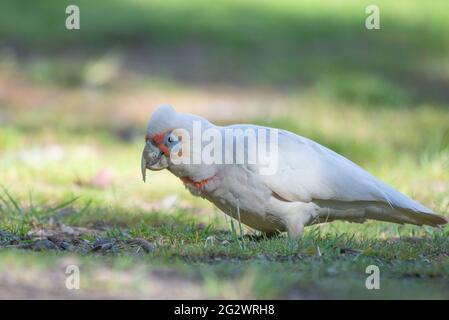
311, 184
311, 172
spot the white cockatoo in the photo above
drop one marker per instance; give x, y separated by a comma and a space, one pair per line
309, 184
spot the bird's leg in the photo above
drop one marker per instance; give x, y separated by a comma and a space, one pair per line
296, 221
294, 215
295, 226
295, 229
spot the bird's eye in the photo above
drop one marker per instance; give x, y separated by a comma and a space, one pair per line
171, 139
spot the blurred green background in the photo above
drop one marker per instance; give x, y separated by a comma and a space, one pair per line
74, 105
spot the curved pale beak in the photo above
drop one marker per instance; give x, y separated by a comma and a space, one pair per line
151, 155
143, 166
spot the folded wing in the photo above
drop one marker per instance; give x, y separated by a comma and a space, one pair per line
310, 172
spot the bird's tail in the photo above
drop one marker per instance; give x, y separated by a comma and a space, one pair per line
360, 211
401, 215
403, 209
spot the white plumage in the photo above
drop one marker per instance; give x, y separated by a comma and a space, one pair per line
312, 184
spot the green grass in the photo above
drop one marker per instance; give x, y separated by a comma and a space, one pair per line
317, 48
197, 244
329, 262
73, 111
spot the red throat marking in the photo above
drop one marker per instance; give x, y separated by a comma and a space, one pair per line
197, 184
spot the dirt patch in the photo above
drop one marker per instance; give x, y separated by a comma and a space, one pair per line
73, 239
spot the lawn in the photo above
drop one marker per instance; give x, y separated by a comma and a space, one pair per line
73, 110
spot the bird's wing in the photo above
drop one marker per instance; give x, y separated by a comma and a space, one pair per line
308, 171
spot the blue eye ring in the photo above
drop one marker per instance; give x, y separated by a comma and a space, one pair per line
171, 139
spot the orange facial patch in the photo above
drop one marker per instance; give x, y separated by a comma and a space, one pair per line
158, 141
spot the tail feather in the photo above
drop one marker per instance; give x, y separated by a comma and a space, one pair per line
359, 211
402, 209
401, 215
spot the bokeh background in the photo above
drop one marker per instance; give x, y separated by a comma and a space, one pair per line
74, 106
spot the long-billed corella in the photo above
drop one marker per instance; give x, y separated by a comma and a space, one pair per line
271, 179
